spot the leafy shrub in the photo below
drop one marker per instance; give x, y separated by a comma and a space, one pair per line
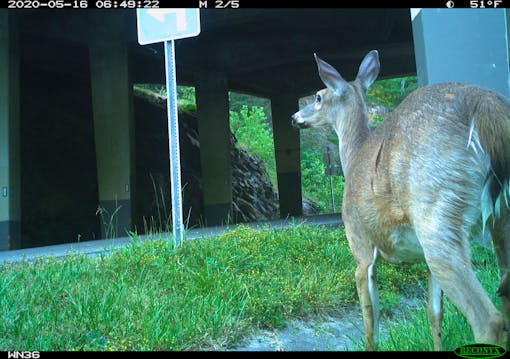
316, 185
251, 128
391, 92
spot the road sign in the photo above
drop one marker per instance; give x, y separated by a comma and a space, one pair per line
167, 25
158, 25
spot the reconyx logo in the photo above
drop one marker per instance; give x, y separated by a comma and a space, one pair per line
480, 350
23, 355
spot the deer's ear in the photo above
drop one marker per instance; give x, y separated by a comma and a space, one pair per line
369, 69
331, 78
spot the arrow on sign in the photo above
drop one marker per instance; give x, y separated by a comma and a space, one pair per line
180, 15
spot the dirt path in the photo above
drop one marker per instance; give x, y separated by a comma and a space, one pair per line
333, 333
341, 332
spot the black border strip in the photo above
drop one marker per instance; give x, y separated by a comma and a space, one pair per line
246, 4
241, 4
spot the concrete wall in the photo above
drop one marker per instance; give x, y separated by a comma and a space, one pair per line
287, 154
10, 195
113, 122
214, 134
464, 45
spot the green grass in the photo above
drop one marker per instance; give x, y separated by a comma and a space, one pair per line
207, 294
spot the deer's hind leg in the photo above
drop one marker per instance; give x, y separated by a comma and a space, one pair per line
365, 256
435, 311
448, 256
500, 233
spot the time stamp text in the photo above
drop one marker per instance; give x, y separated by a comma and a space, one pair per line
112, 4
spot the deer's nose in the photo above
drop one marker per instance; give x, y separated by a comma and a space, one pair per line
297, 121
294, 120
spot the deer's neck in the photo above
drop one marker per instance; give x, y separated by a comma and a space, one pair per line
352, 130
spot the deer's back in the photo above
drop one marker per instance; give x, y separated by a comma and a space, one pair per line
438, 123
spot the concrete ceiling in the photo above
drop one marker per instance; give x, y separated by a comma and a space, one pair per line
259, 51
267, 51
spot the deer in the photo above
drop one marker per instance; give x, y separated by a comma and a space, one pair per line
419, 187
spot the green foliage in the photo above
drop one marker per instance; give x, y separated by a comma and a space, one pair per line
185, 94
207, 294
378, 119
238, 100
391, 92
186, 98
316, 185
251, 128
152, 88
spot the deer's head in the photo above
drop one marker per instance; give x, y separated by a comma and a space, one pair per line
332, 103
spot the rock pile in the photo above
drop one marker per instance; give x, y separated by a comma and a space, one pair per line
252, 191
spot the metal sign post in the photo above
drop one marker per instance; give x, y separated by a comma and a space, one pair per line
173, 141
157, 25
331, 169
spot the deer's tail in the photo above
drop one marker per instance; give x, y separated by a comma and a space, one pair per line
490, 130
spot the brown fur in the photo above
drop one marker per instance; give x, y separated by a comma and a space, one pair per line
414, 189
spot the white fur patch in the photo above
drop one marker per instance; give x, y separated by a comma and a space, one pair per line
405, 246
435, 298
374, 296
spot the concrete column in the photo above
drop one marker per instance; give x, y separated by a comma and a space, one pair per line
10, 196
113, 121
214, 133
465, 45
287, 155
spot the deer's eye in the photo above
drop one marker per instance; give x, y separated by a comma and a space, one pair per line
318, 101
